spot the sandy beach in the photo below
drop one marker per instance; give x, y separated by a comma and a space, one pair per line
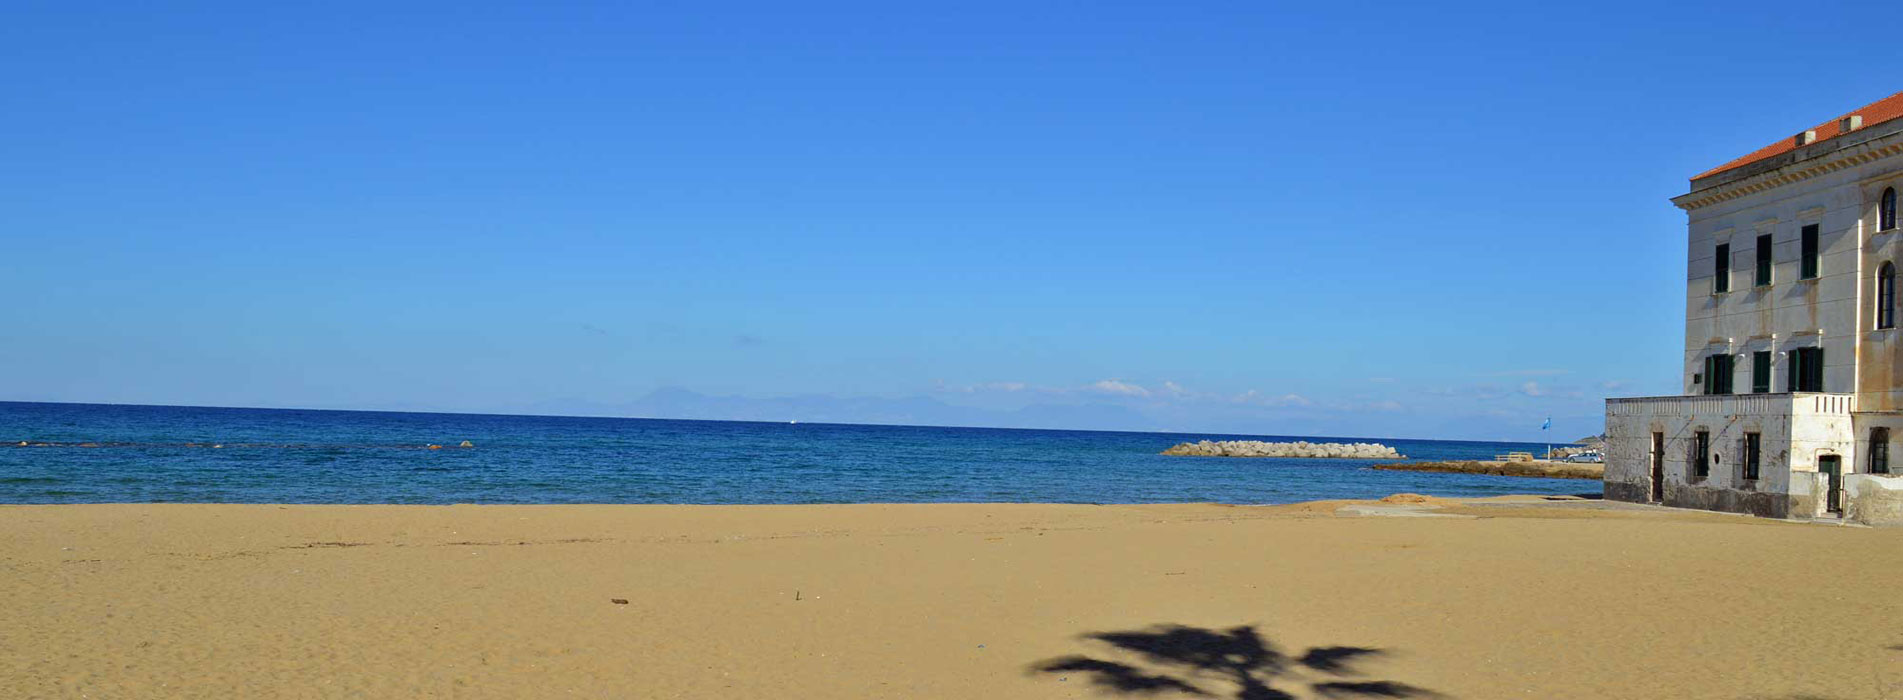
1534, 599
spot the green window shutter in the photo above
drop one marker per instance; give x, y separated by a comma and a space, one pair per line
1809, 268
1764, 260
1752, 445
1701, 454
1879, 450
1718, 371
1807, 369
1791, 361
1761, 372
1721, 269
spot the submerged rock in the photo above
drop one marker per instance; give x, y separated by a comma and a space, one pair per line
1305, 449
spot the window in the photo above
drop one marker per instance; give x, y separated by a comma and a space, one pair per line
1808, 270
1879, 450
1701, 454
1764, 260
1718, 374
1886, 209
1752, 443
1807, 369
1721, 270
1761, 372
1886, 296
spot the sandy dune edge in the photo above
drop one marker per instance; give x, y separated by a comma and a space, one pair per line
939, 601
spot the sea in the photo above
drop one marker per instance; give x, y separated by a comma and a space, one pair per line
90, 453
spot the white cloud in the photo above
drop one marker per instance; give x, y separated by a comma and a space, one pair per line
1115, 387
1260, 399
1006, 387
1292, 400
1165, 392
1532, 389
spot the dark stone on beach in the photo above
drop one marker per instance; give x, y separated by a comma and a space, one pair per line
618, 601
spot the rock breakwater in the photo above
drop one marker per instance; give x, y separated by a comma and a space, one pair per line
1546, 470
1303, 449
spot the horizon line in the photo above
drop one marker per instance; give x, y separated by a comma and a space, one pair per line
759, 422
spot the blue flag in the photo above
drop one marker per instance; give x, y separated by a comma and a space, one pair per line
1548, 425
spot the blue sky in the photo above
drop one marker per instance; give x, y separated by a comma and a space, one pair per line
1345, 219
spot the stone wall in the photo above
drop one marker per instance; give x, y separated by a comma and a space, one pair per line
1874, 499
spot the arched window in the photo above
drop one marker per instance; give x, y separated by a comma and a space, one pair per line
1886, 296
1886, 210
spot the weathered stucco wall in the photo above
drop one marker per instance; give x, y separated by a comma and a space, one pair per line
1874, 499
1794, 429
1835, 311
1808, 491
1789, 313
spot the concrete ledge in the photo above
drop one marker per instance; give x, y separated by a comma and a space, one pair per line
1763, 504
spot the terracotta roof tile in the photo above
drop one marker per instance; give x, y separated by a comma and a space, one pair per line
1874, 113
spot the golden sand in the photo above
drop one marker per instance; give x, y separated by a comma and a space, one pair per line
1560, 600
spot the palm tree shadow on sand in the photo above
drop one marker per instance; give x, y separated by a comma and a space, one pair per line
1197, 662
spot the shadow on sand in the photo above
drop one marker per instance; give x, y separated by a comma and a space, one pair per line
1210, 663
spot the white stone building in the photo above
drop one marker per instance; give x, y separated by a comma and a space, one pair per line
1793, 367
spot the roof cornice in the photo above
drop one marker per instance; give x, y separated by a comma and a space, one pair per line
1833, 161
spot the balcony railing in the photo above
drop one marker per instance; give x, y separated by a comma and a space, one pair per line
1735, 404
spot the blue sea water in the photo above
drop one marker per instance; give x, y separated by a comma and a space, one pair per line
166, 454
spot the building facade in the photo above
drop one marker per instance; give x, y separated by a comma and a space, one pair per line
1793, 364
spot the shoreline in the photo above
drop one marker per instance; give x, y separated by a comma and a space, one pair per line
924, 600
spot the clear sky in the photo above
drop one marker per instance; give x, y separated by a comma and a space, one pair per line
1407, 220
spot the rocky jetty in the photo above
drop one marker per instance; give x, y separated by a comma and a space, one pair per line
1304, 449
